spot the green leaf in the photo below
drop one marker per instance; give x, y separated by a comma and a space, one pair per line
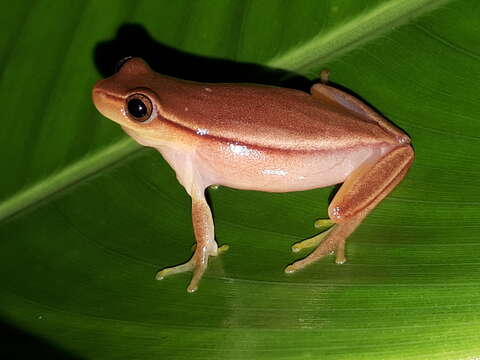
87, 216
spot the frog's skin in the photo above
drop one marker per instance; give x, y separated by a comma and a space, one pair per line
257, 137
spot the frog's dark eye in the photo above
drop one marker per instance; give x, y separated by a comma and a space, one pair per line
139, 107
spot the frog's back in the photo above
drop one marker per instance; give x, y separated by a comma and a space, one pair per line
264, 116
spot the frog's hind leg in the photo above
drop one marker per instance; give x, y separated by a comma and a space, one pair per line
206, 245
359, 194
345, 102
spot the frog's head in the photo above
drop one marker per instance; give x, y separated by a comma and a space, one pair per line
128, 99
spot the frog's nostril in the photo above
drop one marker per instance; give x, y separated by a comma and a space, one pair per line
122, 62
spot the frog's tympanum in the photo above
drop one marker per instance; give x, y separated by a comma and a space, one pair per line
264, 138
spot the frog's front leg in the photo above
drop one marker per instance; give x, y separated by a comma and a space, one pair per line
205, 243
359, 194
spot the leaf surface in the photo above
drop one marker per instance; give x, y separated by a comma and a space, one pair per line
87, 217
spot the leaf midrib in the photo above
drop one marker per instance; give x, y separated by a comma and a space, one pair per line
67, 177
364, 27
317, 50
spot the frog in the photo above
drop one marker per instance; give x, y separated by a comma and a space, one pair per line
263, 138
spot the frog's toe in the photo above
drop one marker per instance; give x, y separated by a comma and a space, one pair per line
310, 242
188, 266
328, 242
197, 264
222, 249
323, 223
198, 269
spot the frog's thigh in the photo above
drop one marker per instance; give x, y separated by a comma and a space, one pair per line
340, 99
346, 102
367, 186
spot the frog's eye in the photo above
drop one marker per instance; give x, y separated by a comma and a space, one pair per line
122, 62
139, 107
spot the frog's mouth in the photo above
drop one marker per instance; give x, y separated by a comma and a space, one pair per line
142, 138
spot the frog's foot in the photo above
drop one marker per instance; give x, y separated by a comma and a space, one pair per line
197, 264
317, 239
331, 240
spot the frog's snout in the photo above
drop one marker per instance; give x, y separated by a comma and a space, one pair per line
106, 103
99, 98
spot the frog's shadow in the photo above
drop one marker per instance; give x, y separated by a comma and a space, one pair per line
134, 40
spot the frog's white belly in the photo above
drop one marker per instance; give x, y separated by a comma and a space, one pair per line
205, 161
238, 166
